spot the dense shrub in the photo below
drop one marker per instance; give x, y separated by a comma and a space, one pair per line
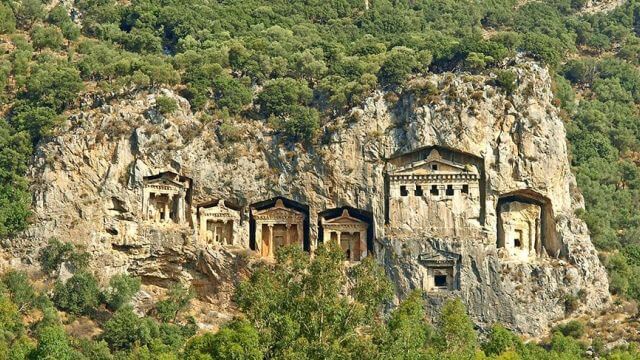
121, 290
79, 295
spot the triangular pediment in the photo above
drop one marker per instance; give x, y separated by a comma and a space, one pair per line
278, 211
434, 164
439, 258
345, 218
164, 181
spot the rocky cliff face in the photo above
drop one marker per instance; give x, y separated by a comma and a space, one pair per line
88, 188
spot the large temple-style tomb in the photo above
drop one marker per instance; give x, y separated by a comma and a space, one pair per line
434, 193
218, 223
277, 226
349, 232
165, 198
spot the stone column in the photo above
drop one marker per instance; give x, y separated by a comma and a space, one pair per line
167, 218
180, 209
363, 244
442, 191
215, 232
287, 238
258, 237
300, 228
203, 228
145, 204
271, 244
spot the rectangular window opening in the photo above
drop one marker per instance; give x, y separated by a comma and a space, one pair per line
434, 190
403, 190
465, 189
449, 190
419, 191
434, 167
440, 281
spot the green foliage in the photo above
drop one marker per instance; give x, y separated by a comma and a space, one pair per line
236, 340
166, 105
56, 253
54, 344
126, 330
280, 96
456, 337
300, 124
506, 79
573, 328
79, 295
14, 195
121, 290
501, 340
231, 94
19, 289
177, 300
298, 310
7, 20
395, 69
408, 333
46, 37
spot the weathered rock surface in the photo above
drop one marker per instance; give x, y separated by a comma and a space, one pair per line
87, 186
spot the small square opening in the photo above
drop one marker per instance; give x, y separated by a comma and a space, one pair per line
434, 190
450, 190
517, 239
465, 189
434, 167
440, 281
403, 190
419, 191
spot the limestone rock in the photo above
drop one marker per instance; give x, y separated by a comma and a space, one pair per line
88, 188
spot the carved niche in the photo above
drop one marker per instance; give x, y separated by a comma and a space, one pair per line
441, 271
219, 224
277, 226
349, 232
165, 198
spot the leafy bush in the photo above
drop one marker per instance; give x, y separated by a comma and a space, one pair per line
177, 300
125, 330
573, 328
7, 20
279, 96
506, 79
121, 290
166, 105
19, 288
395, 69
56, 253
47, 37
80, 295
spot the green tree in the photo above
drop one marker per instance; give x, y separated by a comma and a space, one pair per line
55, 253
279, 96
177, 300
395, 69
121, 290
408, 333
236, 340
79, 295
46, 37
54, 344
19, 288
456, 338
500, 341
126, 330
7, 20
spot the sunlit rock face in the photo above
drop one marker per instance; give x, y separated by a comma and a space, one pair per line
439, 186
